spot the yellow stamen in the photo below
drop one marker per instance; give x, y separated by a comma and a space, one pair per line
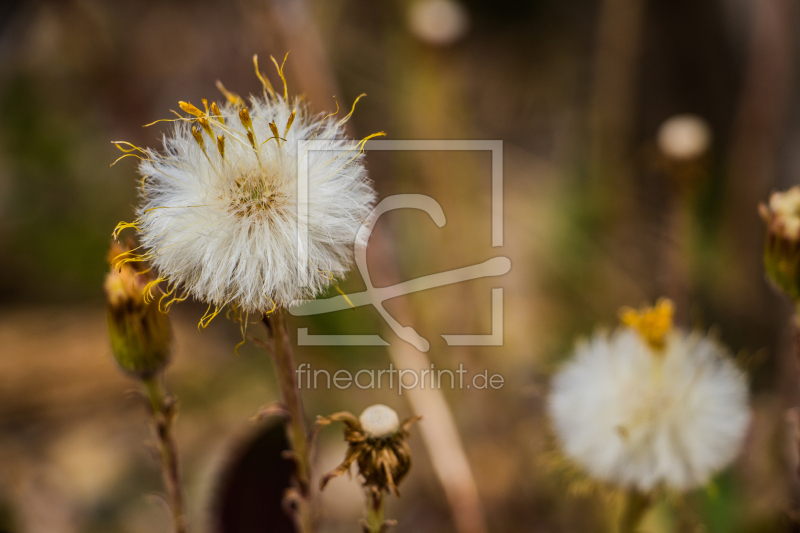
148, 294
207, 317
247, 122
221, 145
274, 129
233, 98
652, 323
290, 122
126, 150
216, 113
198, 136
189, 108
350, 114
347, 298
203, 121
121, 226
264, 81
244, 116
280, 73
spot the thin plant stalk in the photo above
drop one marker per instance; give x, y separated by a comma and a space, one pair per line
163, 415
636, 505
296, 426
376, 506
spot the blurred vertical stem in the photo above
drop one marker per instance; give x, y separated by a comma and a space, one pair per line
616, 76
376, 504
296, 428
163, 416
636, 505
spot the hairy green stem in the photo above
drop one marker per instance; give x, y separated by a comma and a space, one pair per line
163, 415
296, 426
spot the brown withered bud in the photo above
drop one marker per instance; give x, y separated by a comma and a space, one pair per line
377, 444
140, 334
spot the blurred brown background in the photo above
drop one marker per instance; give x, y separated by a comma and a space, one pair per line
597, 215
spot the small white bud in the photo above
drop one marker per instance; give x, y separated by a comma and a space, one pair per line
379, 421
684, 137
438, 22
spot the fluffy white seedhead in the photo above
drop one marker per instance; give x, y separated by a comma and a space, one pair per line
379, 420
639, 417
219, 210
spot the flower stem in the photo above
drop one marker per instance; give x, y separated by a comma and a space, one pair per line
796, 352
376, 505
163, 416
636, 505
296, 427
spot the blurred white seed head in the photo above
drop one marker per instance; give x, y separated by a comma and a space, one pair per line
379, 421
438, 22
684, 137
638, 413
782, 214
218, 216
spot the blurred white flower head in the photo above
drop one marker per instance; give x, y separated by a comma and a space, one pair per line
782, 214
218, 216
650, 405
438, 22
684, 137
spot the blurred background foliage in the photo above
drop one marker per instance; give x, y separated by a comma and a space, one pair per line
596, 216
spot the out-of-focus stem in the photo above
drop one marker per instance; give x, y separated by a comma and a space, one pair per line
444, 445
163, 415
439, 432
796, 352
296, 427
616, 75
636, 505
376, 505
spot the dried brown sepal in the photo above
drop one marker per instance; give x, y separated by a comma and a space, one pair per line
383, 462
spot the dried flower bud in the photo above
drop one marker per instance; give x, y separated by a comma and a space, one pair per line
377, 444
140, 334
782, 241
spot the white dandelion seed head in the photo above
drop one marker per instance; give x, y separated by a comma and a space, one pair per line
222, 222
379, 420
638, 417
